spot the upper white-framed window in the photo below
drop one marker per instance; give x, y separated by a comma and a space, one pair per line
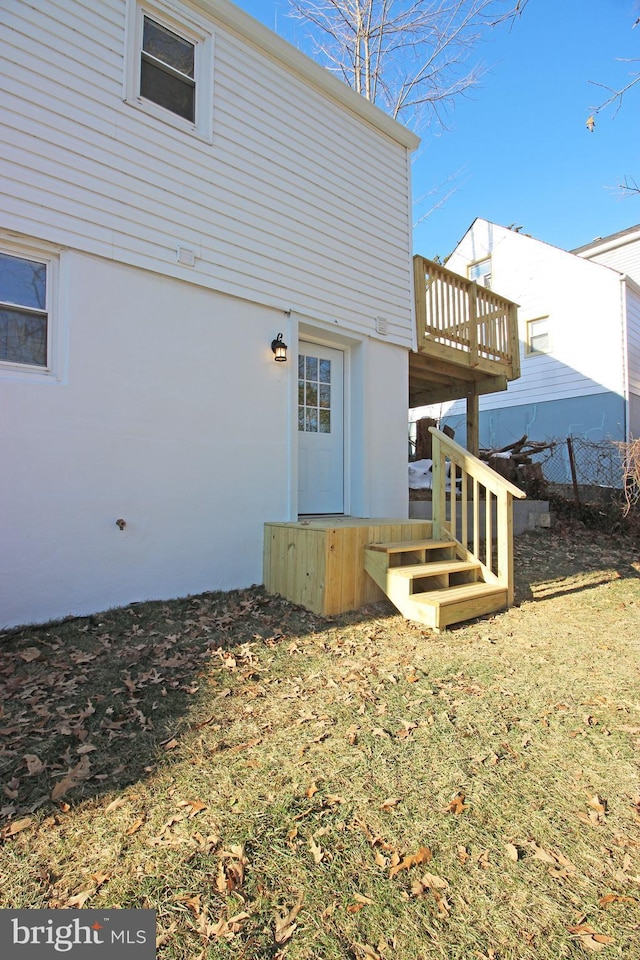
30, 335
480, 272
538, 337
169, 66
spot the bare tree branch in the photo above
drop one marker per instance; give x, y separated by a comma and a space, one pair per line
411, 57
437, 196
615, 95
629, 186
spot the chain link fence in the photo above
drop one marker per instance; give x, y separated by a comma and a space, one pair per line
586, 471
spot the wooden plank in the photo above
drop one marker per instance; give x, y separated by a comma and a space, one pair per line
350, 559
463, 592
505, 546
334, 541
402, 546
464, 509
473, 422
488, 477
488, 530
420, 296
432, 568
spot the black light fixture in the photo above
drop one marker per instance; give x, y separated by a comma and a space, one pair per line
279, 347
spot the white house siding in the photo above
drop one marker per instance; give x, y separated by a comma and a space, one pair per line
297, 202
580, 385
621, 252
633, 357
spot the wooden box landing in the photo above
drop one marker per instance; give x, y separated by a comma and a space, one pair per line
319, 562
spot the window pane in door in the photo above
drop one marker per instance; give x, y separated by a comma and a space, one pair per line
314, 395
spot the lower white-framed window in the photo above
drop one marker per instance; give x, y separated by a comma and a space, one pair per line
169, 65
29, 337
538, 336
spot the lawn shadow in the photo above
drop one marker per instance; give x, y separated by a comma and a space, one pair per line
90, 705
576, 561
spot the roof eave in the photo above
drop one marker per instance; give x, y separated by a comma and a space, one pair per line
281, 50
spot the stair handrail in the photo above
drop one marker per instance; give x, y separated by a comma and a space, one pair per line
481, 475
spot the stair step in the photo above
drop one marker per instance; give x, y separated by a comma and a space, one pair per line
437, 568
465, 591
406, 546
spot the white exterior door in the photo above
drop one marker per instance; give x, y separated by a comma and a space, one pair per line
320, 429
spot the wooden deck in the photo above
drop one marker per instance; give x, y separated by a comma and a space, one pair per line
467, 337
319, 563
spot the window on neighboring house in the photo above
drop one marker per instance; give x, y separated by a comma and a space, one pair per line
24, 314
170, 65
167, 70
538, 336
480, 271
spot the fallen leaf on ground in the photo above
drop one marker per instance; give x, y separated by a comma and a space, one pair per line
228, 928
193, 902
428, 882
79, 899
614, 898
16, 826
364, 950
30, 654
422, 856
196, 806
390, 803
135, 826
457, 804
589, 938
318, 852
75, 776
34, 764
285, 924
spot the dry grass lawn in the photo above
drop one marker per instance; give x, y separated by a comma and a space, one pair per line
277, 785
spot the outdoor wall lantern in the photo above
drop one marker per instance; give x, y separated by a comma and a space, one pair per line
279, 347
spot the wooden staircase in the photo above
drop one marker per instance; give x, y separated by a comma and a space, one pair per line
457, 575
428, 583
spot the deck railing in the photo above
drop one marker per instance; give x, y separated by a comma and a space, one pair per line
476, 511
459, 320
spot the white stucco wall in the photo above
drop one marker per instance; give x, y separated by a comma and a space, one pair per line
173, 416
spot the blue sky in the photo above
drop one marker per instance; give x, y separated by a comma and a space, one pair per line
517, 148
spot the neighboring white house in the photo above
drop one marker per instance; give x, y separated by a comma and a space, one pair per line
178, 186
579, 328
620, 251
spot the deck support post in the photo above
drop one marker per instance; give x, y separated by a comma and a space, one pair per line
473, 425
